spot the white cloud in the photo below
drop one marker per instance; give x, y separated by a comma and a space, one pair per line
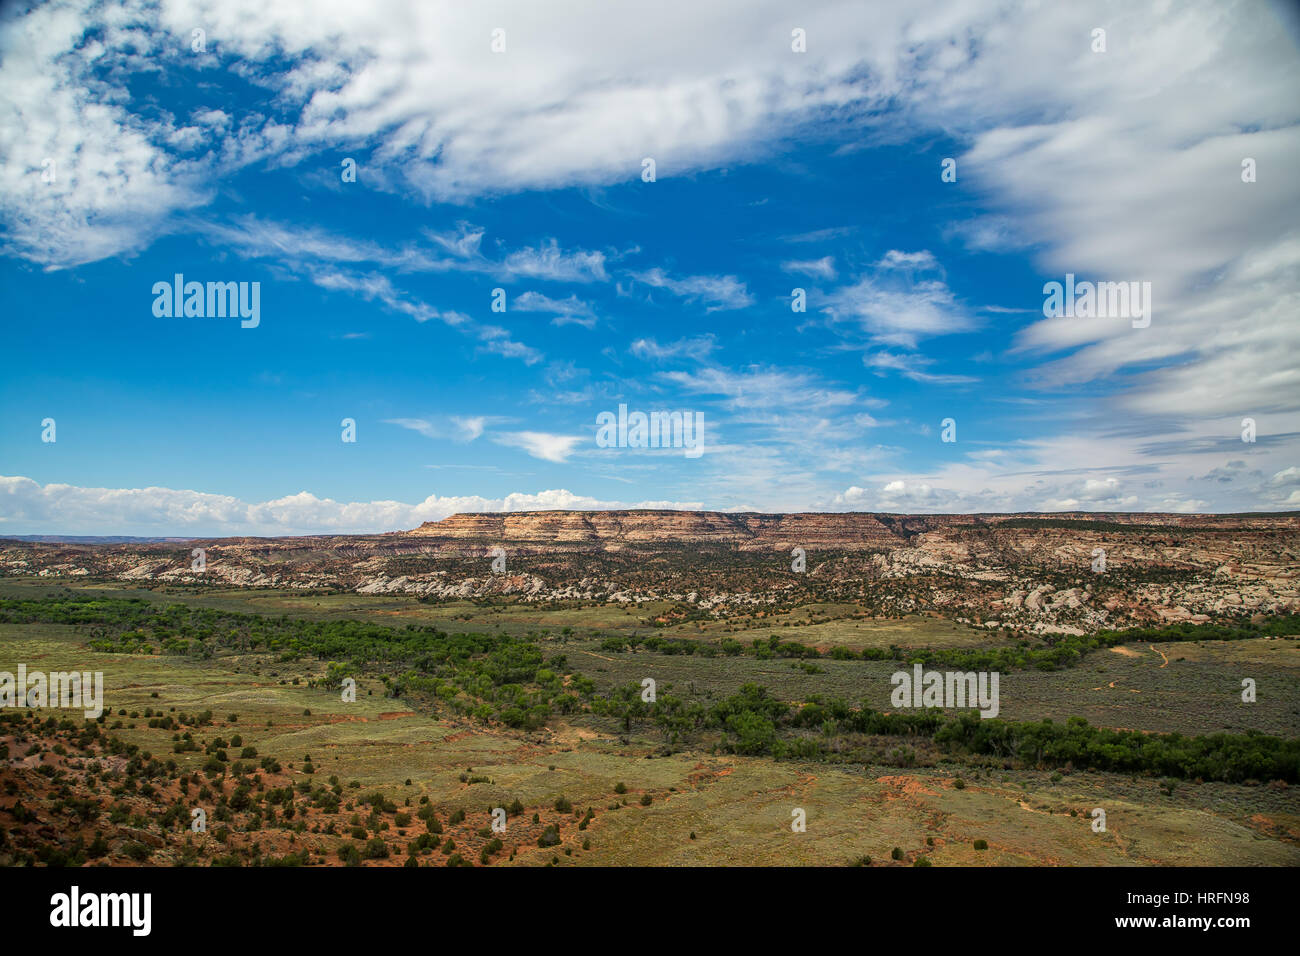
549, 261
464, 243
470, 427
696, 347
910, 366
1287, 476
1096, 466
461, 428
567, 311
543, 445
257, 238
498, 341
376, 287
27, 507
316, 254
115, 180
764, 388
717, 293
425, 428
1095, 174
904, 298
823, 268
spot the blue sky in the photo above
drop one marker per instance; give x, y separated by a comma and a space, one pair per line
521, 170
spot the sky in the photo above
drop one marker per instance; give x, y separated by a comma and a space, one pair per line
824, 230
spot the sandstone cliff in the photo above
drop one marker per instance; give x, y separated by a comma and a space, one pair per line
748, 530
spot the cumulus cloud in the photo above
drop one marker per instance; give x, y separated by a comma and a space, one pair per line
27, 507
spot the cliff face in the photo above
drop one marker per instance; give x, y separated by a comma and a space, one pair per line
847, 531
611, 528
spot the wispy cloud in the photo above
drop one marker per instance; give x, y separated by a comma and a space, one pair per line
904, 298
461, 428
716, 293
910, 366
567, 311
823, 268
696, 347
764, 388
543, 445
549, 261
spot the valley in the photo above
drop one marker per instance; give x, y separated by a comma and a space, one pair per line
526, 691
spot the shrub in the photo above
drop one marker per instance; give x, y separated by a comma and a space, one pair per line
349, 854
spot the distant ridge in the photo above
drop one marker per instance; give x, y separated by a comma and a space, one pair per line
839, 529
845, 529
89, 539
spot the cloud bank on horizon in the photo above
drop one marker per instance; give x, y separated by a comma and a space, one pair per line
825, 231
